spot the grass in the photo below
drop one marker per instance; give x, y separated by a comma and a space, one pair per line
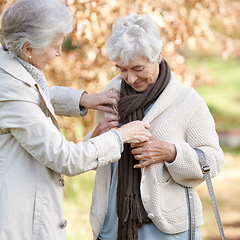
222, 97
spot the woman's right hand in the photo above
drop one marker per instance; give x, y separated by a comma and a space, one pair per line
135, 132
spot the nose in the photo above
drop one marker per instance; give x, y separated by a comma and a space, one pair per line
131, 78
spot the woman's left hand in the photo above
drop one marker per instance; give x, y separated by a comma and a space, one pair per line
153, 151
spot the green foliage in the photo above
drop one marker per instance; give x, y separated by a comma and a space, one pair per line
222, 97
68, 46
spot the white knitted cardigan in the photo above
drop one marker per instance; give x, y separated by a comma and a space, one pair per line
180, 116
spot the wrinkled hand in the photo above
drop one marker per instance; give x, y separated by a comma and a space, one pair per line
106, 124
153, 151
105, 101
135, 132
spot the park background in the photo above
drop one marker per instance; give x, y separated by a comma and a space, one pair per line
202, 46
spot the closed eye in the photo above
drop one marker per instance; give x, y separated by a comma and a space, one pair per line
139, 69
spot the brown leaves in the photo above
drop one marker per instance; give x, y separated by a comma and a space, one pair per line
188, 28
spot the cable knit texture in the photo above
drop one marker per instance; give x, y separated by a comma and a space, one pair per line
179, 116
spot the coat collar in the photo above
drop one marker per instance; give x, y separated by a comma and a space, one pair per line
10, 65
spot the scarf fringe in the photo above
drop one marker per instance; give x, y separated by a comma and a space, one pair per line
131, 220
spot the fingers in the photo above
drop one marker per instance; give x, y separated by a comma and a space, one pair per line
113, 90
104, 101
134, 132
110, 98
110, 121
141, 124
146, 125
141, 154
112, 95
105, 125
108, 101
138, 150
144, 162
140, 136
153, 151
137, 145
108, 108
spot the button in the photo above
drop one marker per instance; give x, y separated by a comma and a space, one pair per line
61, 182
151, 216
63, 224
146, 198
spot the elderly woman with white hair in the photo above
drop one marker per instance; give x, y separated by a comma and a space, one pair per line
34, 155
146, 200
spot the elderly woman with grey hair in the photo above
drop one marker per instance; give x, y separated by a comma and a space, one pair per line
34, 155
146, 200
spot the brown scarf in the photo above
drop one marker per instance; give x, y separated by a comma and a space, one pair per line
131, 106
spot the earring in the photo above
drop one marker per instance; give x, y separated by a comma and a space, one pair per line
30, 57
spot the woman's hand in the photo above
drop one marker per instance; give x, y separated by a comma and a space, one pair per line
105, 101
134, 132
106, 124
153, 151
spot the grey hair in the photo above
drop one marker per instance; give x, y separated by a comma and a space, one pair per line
134, 35
35, 21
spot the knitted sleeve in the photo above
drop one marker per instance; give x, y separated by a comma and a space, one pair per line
201, 134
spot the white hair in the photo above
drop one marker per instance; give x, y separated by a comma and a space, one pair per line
35, 21
134, 35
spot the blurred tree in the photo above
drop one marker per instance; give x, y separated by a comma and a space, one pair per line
188, 28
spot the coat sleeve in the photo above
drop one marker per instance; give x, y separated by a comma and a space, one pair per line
34, 131
201, 134
65, 101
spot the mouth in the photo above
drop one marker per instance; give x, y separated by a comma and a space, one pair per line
139, 87
138, 83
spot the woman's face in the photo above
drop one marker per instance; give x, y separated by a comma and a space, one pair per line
40, 61
139, 73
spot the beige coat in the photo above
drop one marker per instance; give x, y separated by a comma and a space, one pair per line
34, 154
180, 116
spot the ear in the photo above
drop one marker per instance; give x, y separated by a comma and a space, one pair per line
160, 57
27, 50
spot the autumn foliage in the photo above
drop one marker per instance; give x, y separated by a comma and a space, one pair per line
188, 28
